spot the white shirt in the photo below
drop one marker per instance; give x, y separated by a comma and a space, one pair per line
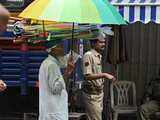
53, 97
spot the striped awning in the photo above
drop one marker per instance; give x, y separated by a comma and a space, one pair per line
138, 10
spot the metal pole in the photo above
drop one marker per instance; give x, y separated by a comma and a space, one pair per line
72, 40
24, 82
72, 82
44, 31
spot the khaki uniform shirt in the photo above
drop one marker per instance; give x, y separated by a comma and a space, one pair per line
92, 65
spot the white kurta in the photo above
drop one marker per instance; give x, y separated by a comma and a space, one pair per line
53, 97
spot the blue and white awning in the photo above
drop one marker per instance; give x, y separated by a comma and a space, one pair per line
138, 10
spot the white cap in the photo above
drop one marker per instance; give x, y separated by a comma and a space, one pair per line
48, 50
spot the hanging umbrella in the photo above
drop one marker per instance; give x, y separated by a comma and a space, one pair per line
4, 16
117, 52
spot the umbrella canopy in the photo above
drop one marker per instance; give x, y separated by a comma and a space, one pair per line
78, 11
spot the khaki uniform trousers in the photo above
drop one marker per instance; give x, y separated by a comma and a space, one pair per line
94, 106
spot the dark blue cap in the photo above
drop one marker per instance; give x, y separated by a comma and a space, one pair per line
49, 44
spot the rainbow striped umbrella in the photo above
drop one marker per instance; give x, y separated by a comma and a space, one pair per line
78, 11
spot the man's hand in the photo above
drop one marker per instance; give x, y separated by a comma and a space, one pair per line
109, 76
2, 86
70, 67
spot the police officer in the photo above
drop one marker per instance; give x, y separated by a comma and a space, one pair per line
53, 98
94, 78
152, 104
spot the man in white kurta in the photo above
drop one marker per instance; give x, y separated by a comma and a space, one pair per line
53, 98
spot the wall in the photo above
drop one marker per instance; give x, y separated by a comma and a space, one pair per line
143, 47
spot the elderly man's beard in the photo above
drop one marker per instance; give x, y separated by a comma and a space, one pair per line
63, 61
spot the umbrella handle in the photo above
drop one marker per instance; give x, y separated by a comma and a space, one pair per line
72, 40
44, 31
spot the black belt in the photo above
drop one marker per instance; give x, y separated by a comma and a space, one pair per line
93, 91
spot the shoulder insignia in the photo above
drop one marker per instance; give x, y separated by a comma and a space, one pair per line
86, 64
